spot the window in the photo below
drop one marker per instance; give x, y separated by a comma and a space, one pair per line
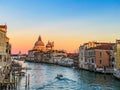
81, 59
100, 54
4, 59
6, 50
89, 60
81, 66
92, 60
113, 59
112, 65
85, 60
94, 53
0, 56
81, 54
89, 53
100, 61
9, 52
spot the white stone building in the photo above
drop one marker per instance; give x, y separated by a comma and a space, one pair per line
5, 52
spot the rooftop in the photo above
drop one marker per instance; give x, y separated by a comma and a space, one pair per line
104, 47
3, 28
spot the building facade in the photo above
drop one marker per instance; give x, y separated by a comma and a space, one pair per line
40, 46
82, 59
5, 52
117, 51
117, 60
39, 49
96, 56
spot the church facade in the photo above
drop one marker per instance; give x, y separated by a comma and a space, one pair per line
44, 53
40, 48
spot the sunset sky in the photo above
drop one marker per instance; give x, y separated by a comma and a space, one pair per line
68, 23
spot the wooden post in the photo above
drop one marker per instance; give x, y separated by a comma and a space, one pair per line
7, 87
28, 79
16, 82
0, 86
14, 79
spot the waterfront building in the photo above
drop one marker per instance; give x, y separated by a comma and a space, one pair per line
82, 59
82, 50
75, 57
117, 66
59, 53
47, 54
117, 59
31, 55
98, 57
18, 56
65, 61
5, 53
53, 55
39, 56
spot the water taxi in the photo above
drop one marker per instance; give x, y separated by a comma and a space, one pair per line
59, 76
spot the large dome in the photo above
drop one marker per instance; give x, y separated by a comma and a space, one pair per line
39, 44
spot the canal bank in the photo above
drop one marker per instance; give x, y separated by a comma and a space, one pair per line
43, 77
9, 81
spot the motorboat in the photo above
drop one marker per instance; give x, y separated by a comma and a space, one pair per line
59, 76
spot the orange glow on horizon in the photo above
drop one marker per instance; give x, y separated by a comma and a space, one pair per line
24, 44
69, 43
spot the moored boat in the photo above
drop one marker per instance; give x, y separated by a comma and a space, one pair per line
116, 74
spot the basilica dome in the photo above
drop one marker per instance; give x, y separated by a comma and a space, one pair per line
39, 44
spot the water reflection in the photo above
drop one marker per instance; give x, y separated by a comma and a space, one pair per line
42, 77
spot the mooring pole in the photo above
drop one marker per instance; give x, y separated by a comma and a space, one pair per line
28, 79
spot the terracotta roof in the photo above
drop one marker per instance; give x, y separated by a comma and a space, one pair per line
3, 26
104, 46
98, 43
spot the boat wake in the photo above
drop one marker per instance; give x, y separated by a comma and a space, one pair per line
47, 84
56, 82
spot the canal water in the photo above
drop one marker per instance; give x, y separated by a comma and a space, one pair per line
43, 77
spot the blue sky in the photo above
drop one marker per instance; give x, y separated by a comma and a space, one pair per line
75, 21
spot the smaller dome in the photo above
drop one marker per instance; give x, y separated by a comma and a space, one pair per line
49, 45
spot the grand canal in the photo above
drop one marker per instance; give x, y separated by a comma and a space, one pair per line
42, 77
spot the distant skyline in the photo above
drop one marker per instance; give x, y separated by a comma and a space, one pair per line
68, 23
